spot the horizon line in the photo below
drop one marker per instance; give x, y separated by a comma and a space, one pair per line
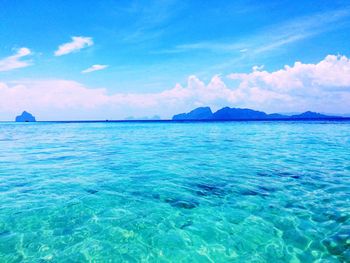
330, 118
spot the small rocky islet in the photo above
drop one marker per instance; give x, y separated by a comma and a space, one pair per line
25, 117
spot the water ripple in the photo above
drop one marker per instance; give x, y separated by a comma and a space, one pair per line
153, 192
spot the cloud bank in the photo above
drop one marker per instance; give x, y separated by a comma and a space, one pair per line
323, 87
75, 45
16, 61
95, 67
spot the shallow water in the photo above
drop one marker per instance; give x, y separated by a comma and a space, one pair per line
175, 192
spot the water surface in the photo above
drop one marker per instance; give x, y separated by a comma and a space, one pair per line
175, 192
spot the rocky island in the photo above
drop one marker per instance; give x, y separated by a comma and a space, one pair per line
25, 117
227, 113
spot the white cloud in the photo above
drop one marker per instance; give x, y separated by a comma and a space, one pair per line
94, 68
15, 61
331, 72
55, 94
324, 87
75, 45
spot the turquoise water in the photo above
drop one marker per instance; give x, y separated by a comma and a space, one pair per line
175, 192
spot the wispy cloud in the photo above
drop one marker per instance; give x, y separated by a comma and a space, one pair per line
297, 30
15, 61
150, 22
75, 45
209, 46
95, 67
272, 37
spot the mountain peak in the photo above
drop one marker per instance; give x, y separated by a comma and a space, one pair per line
201, 113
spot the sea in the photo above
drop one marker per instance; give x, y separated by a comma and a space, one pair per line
254, 191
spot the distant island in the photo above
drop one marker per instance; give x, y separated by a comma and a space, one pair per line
25, 117
227, 113
145, 118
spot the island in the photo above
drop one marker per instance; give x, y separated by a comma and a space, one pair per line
227, 113
25, 117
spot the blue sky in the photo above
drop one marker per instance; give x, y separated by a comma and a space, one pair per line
148, 47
